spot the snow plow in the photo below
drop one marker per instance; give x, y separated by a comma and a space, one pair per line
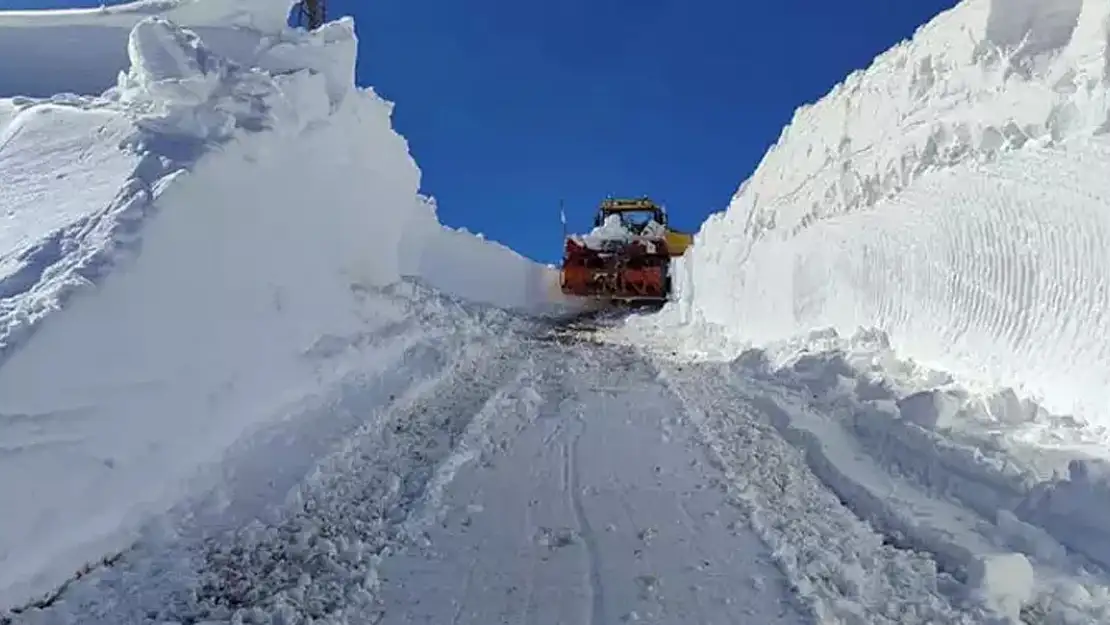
626, 259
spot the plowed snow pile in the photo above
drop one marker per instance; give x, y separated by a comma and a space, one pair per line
952, 201
189, 255
953, 194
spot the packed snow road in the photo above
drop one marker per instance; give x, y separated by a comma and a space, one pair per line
595, 505
516, 477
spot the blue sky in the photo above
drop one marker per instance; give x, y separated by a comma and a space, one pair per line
511, 106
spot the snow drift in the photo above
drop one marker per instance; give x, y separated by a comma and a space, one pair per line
953, 194
186, 254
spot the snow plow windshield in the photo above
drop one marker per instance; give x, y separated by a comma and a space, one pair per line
635, 214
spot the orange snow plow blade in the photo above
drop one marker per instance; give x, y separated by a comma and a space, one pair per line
622, 261
617, 276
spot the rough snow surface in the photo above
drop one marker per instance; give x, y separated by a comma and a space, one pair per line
509, 477
953, 194
245, 369
583, 495
63, 196
1005, 582
478, 469
995, 488
186, 258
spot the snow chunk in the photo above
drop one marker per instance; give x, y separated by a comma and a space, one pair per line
1004, 582
161, 53
934, 409
613, 230
177, 86
331, 51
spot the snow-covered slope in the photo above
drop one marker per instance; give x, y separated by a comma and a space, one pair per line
953, 194
189, 254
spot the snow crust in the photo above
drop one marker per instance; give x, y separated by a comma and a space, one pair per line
953, 195
189, 254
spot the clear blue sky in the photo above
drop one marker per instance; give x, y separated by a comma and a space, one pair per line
510, 105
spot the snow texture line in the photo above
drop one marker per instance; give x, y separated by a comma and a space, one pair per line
570, 464
799, 517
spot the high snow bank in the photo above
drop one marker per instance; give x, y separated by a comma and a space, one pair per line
950, 195
193, 254
458, 262
83, 50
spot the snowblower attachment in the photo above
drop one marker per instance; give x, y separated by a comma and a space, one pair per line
626, 259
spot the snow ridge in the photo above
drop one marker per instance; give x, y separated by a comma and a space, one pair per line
175, 102
170, 284
953, 195
979, 80
177, 87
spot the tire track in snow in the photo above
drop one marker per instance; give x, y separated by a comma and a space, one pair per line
358, 507
316, 556
594, 511
836, 562
570, 467
239, 491
957, 503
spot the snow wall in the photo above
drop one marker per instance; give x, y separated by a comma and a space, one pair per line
176, 248
953, 194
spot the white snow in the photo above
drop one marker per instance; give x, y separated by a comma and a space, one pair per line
912, 290
242, 361
1004, 582
953, 194
456, 261
932, 467
188, 255
612, 229
598, 511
